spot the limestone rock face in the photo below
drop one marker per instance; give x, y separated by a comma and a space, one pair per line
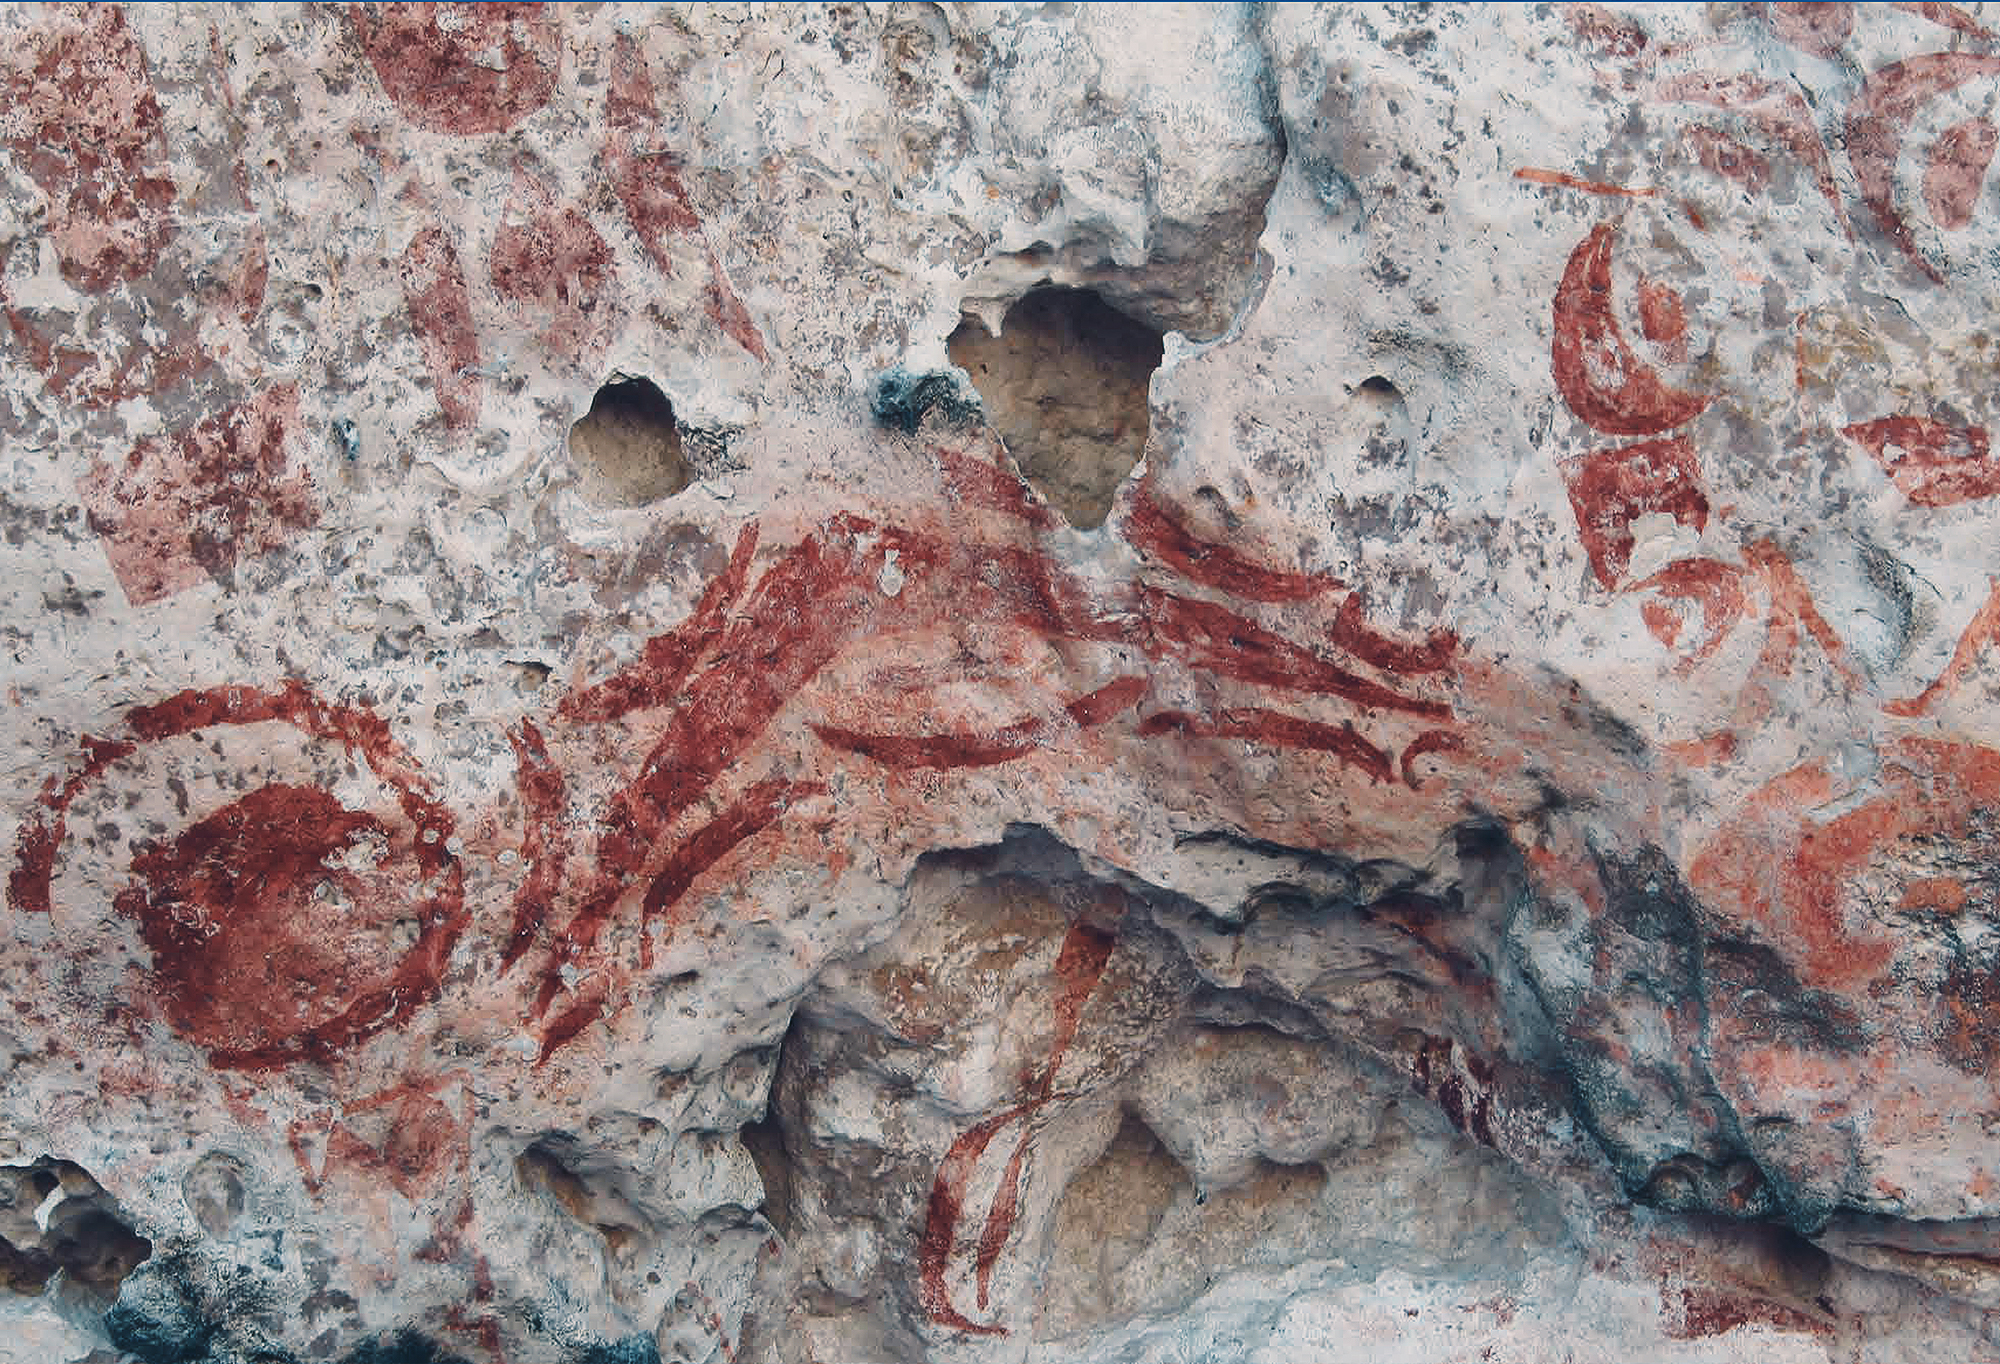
805, 685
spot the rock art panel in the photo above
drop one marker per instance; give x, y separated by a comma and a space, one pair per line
576, 789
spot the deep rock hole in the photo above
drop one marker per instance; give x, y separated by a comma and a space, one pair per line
627, 448
1065, 383
54, 1218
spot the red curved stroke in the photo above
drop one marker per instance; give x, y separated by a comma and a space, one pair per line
1600, 377
1079, 966
1879, 119
1005, 744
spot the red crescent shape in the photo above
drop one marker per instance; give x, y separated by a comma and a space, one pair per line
1880, 116
1611, 389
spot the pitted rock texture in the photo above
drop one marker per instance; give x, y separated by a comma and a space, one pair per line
806, 684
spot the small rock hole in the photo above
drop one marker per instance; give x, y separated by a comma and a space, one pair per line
1065, 383
627, 448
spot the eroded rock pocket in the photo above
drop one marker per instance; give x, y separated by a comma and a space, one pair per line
1065, 383
627, 448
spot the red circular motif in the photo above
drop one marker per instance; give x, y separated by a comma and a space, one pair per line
266, 950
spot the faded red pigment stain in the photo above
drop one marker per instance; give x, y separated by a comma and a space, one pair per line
1777, 111
441, 310
1949, 16
1079, 966
646, 178
1610, 489
1692, 1312
1615, 35
1723, 155
1600, 377
645, 175
1979, 635
1258, 725
1714, 587
463, 68
1663, 319
1460, 1083
421, 1142
1781, 867
92, 138
1958, 162
1934, 463
556, 268
545, 801
1879, 120
184, 508
985, 484
1011, 741
1817, 29
263, 954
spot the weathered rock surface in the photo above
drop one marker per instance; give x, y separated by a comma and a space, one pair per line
900, 682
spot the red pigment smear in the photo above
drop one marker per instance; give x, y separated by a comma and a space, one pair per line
1011, 741
1689, 1312
1792, 606
1615, 34
1078, 968
568, 1025
1818, 29
1979, 635
668, 658
1430, 741
1950, 16
726, 310
1879, 119
1610, 489
555, 267
181, 509
648, 183
445, 76
246, 963
748, 815
1934, 463
1778, 111
1152, 528
1662, 319
941, 1222
92, 136
1715, 586
545, 796
1599, 376
1000, 1220
440, 309
1957, 169
1254, 724
972, 481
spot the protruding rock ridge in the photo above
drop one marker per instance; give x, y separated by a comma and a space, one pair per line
1013, 683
